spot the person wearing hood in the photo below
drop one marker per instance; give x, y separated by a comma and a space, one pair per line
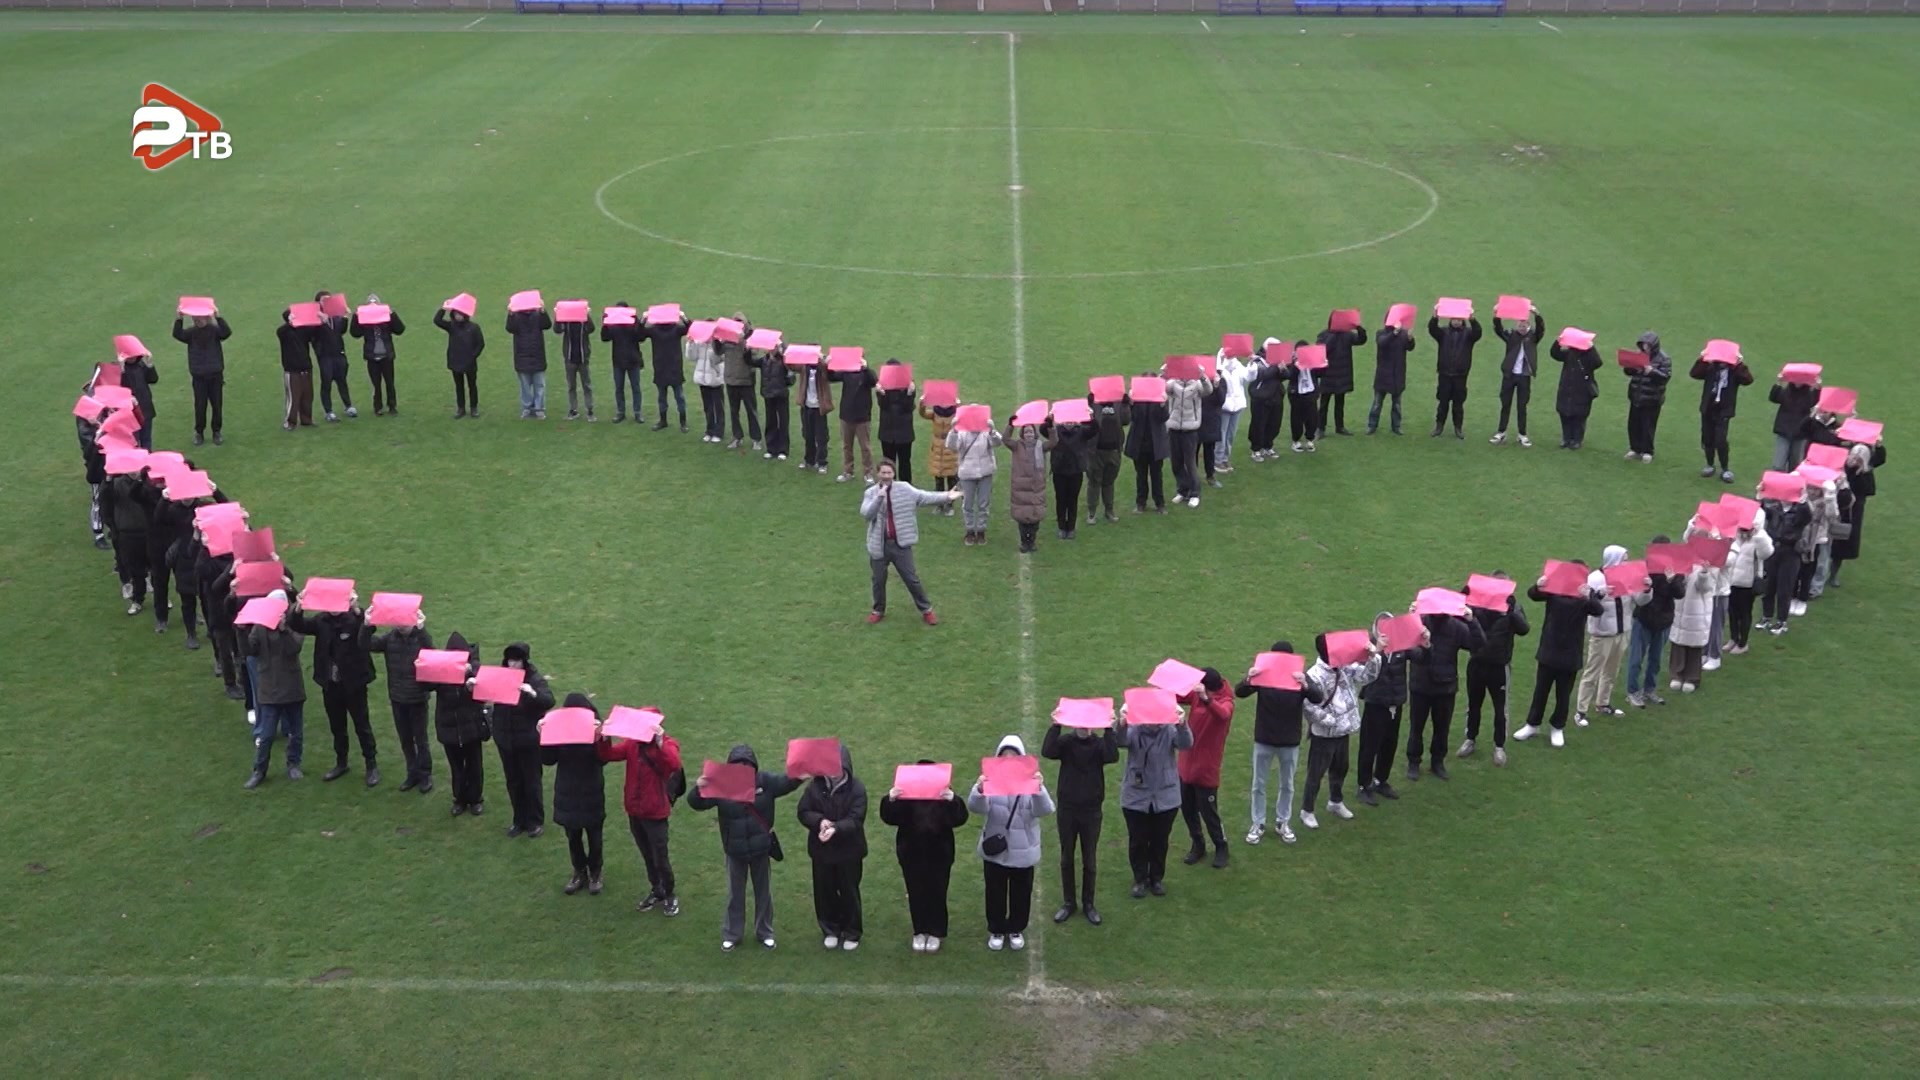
1796, 402
1558, 658
529, 332
1434, 686
833, 810
206, 366
580, 799
1653, 613
1150, 796
377, 352
1148, 447
655, 778
1303, 402
737, 374
1210, 714
708, 376
1234, 373
893, 528
465, 343
279, 695
576, 352
330, 349
1454, 363
1266, 399
1390, 348
1009, 849
1573, 399
1336, 382
627, 362
1081, 783
669, 369
896, 426
1490, 672
183, 558
1330, 726
1110, 420
460, 723
942, 464
856, 419
1277, 721
776, 380
1607, 636
750, 845
1646, 394
1072, 459
401, 648
974, 452
1027, 483
125, 510
1517, 369
516, 736
1185, 407
342, 669
923, 844
1719, 396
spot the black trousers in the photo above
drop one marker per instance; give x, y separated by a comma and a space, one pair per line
1186, 445
1486, 679
901, 454
1451, 393
1515, 392
1149, 474
1326, 757
160, 574
380, 374
226, 653
1642, 421
927, 880
1561, 684
1209, 453
467, 772
342, 703
1264, 426
130, 555
209, 392
333, 375
1740, 614
1100, 480
525, 784
713, 405
466, 391
624, 377
1079, 827
1437, 707
1147, 834
1332, 407
779, 425
583, 844
836, 898
1066, 500
651, 838
189, 606
736, 397
813, 432
1303, 417
1379, 738
1200, 806
1573, 429
1713, 438
1009, 898
410, 723
1029, 534
1783, 573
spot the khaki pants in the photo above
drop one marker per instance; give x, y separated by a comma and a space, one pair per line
851, 433
1604, 655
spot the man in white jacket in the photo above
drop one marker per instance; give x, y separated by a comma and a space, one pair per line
892, 529
1606, 642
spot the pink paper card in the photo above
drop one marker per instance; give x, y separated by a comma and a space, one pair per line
1575, 338
1092, 713
1180, 367
257, 578
230, 512
1717, 517
1402, 632
126, 462
394, 609
1402, 316
701, 331
1489, 593
165, 459
498, 685
526, 300
896, 376
1209, 365
801, 355
1669, 559
1864, 432
161, 471
940, 393
1800, 374
1107, 389
1148, 389
465, 304
326, 594
335, 305
1564, 578
620, 316
923, 782
191, 485
264, 611
1310, 357
640, 725
253, 546
1072, 411
1279, 354
1513, 309
973, 418
113, 442
121, 422
1838, 400
1785, 487
1633, 359
1149, 706
1827, 457
1453, 307
664, 314
813, 757
218, 537
1721, 351
1347, 647
113, 396
1032, 414
1011, 775
729, 330
1746, 511
104, 375
441, 667
763, 339
127, 346
846, 358
570, 726
728, 782
1237, 346
303, 315
373, 314
1439, 602
1815, 474
1277, 670
1710, 551
1344, 319
196, 306
571, 311
1176, 677
1626, 579
88, 407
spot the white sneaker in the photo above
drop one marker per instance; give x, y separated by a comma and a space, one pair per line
919, 943
1466, 749
1688, 688
768, 457
251, 720
726, 946
1500, 756
1309, 446
1797, 609
1307, 819
849, 944
1558, 738
126, 590
1633, 455
1255, 833
1579, 719
933, 943
995, 942
1297, 448
1646, 459
1339, 810
1711, 663
781, 457
1526, 732
133, 607
830, 941
1498, 438
1674, 685
1525, 442
1286, 834
352, 412
766, 943
1018, 941
1194, 502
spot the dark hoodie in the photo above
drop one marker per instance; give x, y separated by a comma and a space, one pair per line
1082, 781
465, 342
746, 829
401, 647
579, 777
1501, 628
517, 726
842, 800
458, 720
1277, 713
1389, 688
1649, 387
1435, 669
925, 826
1456, 346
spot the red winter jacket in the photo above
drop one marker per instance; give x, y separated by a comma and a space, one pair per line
1210, 715
648, 767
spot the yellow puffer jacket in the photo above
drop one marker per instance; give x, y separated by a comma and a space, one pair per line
940, 460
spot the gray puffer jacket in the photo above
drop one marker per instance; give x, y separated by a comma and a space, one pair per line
1185, 403
1017, 817
1150, 781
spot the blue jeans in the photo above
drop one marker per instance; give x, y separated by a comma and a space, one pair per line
679, 398
270, 721
533, 391
1644, 648
622, 378
1229, 426
1287, 759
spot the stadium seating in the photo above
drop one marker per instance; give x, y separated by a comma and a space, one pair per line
1362, 7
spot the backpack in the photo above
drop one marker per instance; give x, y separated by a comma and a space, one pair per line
676, 786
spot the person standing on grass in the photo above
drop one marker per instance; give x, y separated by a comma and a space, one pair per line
923, 845
377, 352
1110, 420
401, 647
1796, 402
1210, 714
1303, 403
1234, 375
123, 508
1083, 754
1382, 701
576, 351
1653, 621
1330, 727
529, 332
1150, 796
627, 362
1072, 459
856, 418
460, 723
1490, 672
1790, 527
1009, 849
1266, 398
1562, 627
138, 375
1607, 637
1573, 399
1862, 460
750, 846
1454, 363
183, 558
280, 695
1390, 348
465, 342
580, 800
1336, 382
296, 372
1148, 447
1434, 682
1719, 395
342, 669
973, 450
776, 378
1517, 369
709, 376
1277, 721
94, 461
516, 736
213, 573
166, 522
815, 392
942, 463
654, 779
737, 373
833, 810
1184, 408
896, 427
206, 366
669, 370
1027, 483
1692, 617
1646, 394
893, 528
330, 349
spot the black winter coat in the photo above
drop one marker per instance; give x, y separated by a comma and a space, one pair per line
1210, 406
1268, 383
340, 655
1649, 387
1796, 405
458, 720
576, 341
1435, 669
1456, 347
1147, 433
296, 347
1337, 378
896, 415
276, 664
669, 356
746, 828
1577, 388
1519, 339
1390, 351
925, 828
842, 801
204, 354
1720, 386
1277, 713
1073, 454
90, 455
377, 339
529, 330
579, 785
1563, 629
1082, 780
465, 342
401, 647
776, 378
1501, 628
1656, 613
139, 379
1110, 420
856, 394
1389, 688
517, 726
329, 338
626, 346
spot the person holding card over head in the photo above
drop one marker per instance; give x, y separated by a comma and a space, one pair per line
1210, 714
528, 328
1653, 612
279, 693
669, 367
1084, 752
574, 328
710, 377
655, 778
1382, 702
1073, 458
206, 366
1303, 400
460, 723
516, 737
893, 528
1212, 410
897, 400
1278, 718
1570, 602
1789, 522
1150, 792
1823, 498
127, 509
1573, 398
1009, 849
1331, 723
342, 669
1267, 385
972, 444
1646, 395
1027, 480
942, 463
1861, 461
1148, 447
400, 646
376, 325
1185, 406
1607, 635
815, 393
1692, 626
94, 461
737, 373
833, 810
330, 350
579, 796
1342, 335
1796, 401
1433, 680
776, 381
1454, 363
1720, 381
183, 558
1517, 369
1110, 420
1390, 348
138, 375
1490, 669
465, 343
1235, 374
924, 822
296, 367
747, 840
624, 338
856, 418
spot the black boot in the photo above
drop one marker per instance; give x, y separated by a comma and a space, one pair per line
1195, 853
339, 770
1067, 911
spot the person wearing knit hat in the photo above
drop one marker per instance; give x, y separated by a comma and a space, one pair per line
1607, 638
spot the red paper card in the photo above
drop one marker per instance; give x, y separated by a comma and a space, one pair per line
1402, 632
801, 355
1633, 359
127, 347
1489, 593
1146, 388
728, 781
1072, 411
1402, 316
334, 305
1830, 457
1709, 550
1800, 374
1032, 414
1439, 602
764, 339
973, 418
664, 314
923, 782
394, 609
571, 311
253, 546
326, 594
465, 304
570, 726
442, 667
1864, 432
1310, 357
257, 578
1344, 319
1513, 309
1575, 338
1453, 307
728, 330
1564, 578
526, 300
846, 358
1107, 388
1838, 400
1278, 354
265, 611
1084, 712
1176, 677
640, 725
1626, 579
304, 315
1181, 367
373, 314
622, 316
1347, 647
1721, 351
1151, 706
896, 376
1010, 775
498, 685
813, 757
1669, 559
1746, 511
1785, 487
192, 485
940, 393
1277, 670
1238, 346
196, 306
701, 331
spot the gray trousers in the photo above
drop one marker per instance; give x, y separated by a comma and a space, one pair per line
901, 559
736, 918
977, 494
579, 377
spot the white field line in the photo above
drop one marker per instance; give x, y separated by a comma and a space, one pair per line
1204, 26
475, 23
816, 25
1550, 26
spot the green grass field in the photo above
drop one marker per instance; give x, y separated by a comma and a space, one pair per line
1721, 887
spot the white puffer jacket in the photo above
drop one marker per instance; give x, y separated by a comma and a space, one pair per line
1747, 559
1235, 373
1693, 612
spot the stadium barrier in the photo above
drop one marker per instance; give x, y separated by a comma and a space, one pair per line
1004, 7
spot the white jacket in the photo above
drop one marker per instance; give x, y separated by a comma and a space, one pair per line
1747, 559
1339, 713
706, 363
1826, 511
1235, 373
1693, 612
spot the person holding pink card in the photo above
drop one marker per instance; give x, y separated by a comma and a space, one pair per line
330, 351
1148, 447
579, 799
1110, 420
942, 463
1390, 348
856, 418
1517, 369
1433, 682
1336, 382
1862, 460
1278, 721
1185, 409
124, 507
1267, 383
1303, 400
516, 737
749, 844
1027, 481
923, 845
1573, 398
1789, 523
296, 372
897, 405
975, 463
465, 343
279, 695
669, 368
1557, 660
529, 332
1382, 702
814, 390
576, 352
1072, 455
1452, 365
833, 810
1490, 671
206, 366
1331, 723
1210, 714
1692, 627
655, 778
377, 349
460, 725
1720, 385
1009, 849
710, 376
343, 670
776, 385
1646, 395
400, 647
891, 510
624, 339
1080, 789
1795, 403
1607, 637
1234, 374
1150, 796
1653, 613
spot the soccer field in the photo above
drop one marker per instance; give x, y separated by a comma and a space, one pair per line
1722, 886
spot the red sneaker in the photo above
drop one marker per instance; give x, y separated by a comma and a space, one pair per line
874, 616
930, 618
